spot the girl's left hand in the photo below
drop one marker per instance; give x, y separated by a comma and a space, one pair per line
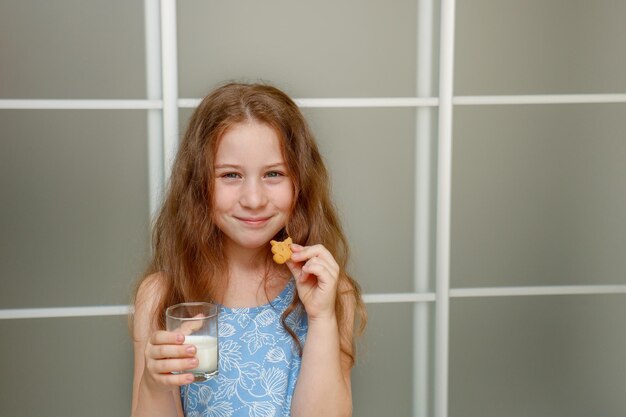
316, 273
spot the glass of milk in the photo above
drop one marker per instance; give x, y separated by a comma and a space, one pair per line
198, 322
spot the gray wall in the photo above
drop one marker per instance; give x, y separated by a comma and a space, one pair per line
539, 199
538, 195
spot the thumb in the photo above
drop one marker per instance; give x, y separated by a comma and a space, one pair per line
295, 268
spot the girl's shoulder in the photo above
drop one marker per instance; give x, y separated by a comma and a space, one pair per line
146, 302
151, 286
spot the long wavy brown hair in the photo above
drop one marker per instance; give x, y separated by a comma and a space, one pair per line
188, 246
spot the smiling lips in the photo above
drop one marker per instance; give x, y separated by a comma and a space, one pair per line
253, 221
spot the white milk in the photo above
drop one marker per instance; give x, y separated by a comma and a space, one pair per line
206, 352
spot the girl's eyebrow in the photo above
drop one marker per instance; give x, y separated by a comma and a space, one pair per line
220, 166
235, 166
276, 165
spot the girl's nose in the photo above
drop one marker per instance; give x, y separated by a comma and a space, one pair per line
253, 195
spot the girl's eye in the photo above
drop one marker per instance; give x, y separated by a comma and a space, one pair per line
273, 174
230, 175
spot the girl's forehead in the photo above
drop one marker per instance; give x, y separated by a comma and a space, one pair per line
250, 140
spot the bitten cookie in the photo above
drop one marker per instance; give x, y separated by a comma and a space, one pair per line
281, 250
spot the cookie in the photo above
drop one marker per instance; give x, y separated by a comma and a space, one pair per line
281, 250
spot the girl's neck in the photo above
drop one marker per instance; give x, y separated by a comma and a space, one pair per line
242, 261
251, 281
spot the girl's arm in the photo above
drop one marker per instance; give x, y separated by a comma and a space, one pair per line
155, 394
324, 386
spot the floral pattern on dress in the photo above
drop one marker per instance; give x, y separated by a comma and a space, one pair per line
259, 363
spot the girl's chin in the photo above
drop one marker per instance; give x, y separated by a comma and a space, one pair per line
250, 244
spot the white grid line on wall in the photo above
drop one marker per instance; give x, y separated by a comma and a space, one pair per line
152, 18
422, 219
382, 298
443, 219
169, 74
337, 102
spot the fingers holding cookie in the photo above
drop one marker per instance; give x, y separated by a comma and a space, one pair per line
317, 277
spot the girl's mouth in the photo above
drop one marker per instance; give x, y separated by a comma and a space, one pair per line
253, 221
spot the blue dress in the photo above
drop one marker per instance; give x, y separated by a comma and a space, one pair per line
258, 365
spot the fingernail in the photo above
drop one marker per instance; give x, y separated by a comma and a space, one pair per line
180, 338
193, 361
190, 378
295, 246
191, 349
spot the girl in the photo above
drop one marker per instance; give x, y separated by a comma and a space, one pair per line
248, 171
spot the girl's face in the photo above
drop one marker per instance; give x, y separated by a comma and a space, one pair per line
253, 192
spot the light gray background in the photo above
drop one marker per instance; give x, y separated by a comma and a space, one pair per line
538, 195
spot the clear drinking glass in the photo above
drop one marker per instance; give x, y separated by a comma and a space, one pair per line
198, 322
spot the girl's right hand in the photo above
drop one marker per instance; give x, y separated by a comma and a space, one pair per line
165, 353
